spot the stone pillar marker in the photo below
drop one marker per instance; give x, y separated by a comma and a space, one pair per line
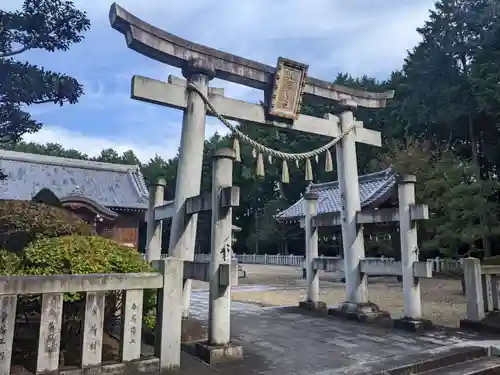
219, 347
219, 313
50, 332
183, 232
8, 308
412, 320
154, 228
352, 234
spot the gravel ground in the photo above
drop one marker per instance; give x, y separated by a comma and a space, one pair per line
442, 301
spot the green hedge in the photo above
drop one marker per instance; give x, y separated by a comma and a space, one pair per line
81, 255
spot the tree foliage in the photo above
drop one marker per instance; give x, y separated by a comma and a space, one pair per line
51, 25
21, 222
447, 185
442, 126
77, 255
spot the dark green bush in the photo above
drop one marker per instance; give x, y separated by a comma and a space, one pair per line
81, 255
10, 263
21, 222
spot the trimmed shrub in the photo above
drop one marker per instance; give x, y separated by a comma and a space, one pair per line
21, 222
10, 263
81, 255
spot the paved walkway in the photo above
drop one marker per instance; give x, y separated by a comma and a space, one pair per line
289, 341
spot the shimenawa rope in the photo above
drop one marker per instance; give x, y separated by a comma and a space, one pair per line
264, 150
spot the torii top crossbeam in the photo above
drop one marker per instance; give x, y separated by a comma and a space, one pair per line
172, 50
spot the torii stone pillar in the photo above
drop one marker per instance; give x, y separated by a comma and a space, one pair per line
183, 232
352, 233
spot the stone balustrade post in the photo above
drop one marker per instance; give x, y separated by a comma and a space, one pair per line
474, 290
168, 329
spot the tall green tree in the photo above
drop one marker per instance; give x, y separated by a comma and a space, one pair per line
448, 186
439, 102
50, 25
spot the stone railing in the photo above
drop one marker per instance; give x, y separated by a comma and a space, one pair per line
481, 288
440, 265
275, 259
94, 288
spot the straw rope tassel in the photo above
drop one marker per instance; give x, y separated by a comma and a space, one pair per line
285, 176
328, 161
309, 173
260, 165
236, 148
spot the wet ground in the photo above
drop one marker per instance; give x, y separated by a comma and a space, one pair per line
289, 341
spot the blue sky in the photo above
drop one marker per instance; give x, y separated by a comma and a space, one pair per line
356, 36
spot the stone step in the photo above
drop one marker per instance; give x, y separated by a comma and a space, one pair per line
484, 366
427, 360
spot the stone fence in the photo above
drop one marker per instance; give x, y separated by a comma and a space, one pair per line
168, 281
438, 264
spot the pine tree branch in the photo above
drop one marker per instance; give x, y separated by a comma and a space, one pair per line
15, 52
44, 101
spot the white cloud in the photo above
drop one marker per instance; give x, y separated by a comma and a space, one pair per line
355, 32
382, 48
144, 147
356, 36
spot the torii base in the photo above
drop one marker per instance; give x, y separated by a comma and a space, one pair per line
413, 325
490, 324
314, 306
193, 330
214, 354
361, 312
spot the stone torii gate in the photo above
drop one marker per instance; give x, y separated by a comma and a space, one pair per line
283, 88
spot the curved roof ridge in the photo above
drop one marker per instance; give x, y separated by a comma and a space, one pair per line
138, 183
384, 173
382, 191
373, 187
80, 197
291, 208
66, 162
363, 178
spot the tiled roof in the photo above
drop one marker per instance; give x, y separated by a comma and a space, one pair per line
374, 188
111, 185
